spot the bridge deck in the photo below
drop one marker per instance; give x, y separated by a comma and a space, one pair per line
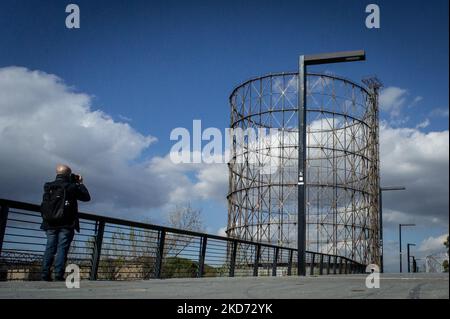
420, 285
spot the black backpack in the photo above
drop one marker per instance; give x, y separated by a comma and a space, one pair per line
54, 206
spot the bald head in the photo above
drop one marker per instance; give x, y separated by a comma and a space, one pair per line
63, 170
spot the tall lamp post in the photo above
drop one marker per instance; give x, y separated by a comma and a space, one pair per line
383, 189
408, 253
400, 240
304, 61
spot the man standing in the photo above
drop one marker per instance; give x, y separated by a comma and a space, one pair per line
59, 211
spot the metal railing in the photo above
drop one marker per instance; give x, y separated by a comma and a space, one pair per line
115, 249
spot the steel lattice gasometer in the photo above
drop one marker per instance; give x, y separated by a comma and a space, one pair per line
342, 173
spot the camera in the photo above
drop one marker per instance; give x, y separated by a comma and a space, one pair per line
74, 178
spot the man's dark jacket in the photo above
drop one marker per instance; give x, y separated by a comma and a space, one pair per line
74, 192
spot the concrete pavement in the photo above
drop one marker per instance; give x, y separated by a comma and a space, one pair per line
403, 286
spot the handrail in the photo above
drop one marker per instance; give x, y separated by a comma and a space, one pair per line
233, 257
124, 222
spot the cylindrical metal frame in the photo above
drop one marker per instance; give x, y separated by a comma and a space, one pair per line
342, 183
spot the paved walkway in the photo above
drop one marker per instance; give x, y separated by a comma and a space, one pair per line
420, 285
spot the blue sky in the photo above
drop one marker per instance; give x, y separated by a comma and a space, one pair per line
140, 57
162, 64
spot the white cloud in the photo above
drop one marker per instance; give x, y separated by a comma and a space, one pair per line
420, 162
212, 182
439, 112
425, 123
44, 122
222, 231
418, 99
392, 99
433, 244
206, 181
124, 118
394, 217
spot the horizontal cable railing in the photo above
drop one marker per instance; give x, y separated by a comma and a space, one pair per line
109, 248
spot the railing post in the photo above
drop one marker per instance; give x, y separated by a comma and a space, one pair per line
160, 253
233, 258
3, 221
334, 265
256, 261
201, 257
346, 266
311, 267
321, 265
340, 265
328, 264
275, 261
289, 270
100, 228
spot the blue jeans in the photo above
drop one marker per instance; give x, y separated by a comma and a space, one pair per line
58, 242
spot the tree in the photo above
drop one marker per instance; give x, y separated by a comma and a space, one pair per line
186, 218
179, 247
113, 256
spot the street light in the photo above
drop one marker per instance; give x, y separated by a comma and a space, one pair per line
400, 240
383, 189
304, 61
408, 251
